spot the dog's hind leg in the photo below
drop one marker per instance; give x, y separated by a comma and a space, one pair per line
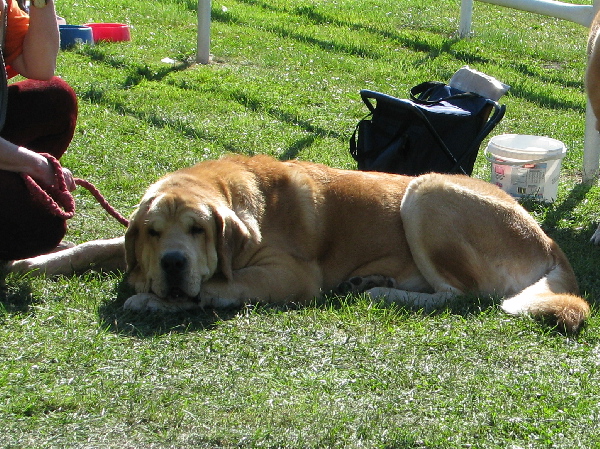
481, 241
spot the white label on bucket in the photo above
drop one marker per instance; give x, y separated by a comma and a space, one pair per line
526, 180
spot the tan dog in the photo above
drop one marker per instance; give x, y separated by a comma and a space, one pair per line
227, 232
592, 83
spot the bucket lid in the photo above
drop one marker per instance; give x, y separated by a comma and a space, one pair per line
524, 147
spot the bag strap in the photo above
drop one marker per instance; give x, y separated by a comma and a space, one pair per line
418, 94
354, 140
421, 93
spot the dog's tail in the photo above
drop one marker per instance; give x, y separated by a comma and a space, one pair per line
553, 298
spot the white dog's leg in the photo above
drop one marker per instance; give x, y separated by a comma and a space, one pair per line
98, 255
425, 301
596, 237
149, 302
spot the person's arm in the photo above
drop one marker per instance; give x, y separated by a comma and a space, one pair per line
41, 44
19, 159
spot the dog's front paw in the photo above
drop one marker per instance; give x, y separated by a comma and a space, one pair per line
220, 295
149, 302
217, 302
145, 302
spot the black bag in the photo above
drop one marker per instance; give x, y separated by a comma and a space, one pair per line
439, 130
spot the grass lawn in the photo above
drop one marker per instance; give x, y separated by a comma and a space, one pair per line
78, 371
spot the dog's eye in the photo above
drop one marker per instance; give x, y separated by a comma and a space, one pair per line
195, 230
153, 232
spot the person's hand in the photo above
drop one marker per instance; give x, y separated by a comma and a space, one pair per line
46, 176
69, 180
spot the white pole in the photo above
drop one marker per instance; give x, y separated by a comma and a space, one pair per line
466, 17
203, 48
591, 146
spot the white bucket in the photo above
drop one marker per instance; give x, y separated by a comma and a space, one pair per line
526, 166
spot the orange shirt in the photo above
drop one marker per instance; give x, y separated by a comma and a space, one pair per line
17, 26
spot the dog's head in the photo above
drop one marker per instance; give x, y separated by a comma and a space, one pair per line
182, 235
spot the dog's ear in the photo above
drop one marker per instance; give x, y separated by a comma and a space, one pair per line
131, 236
234, 233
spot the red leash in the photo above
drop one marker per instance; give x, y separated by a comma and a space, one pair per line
105, 204
58, 200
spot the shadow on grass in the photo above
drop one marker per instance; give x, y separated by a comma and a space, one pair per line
115, 319
556, 212
18, 294
310, 14
19, 299
409, 40
16, 299
575, 242
137, 72
464, 305
148, 325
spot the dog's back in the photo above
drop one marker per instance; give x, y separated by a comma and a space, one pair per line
347, 221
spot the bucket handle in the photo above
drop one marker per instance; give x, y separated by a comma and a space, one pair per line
516, 162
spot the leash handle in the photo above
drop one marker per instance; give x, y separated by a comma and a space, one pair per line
58, 200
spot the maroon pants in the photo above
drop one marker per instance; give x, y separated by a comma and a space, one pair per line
41, 116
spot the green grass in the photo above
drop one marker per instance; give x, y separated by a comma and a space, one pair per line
78, 371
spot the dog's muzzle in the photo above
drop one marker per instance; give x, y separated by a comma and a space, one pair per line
174, 265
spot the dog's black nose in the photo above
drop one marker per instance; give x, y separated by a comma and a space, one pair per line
173, 262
